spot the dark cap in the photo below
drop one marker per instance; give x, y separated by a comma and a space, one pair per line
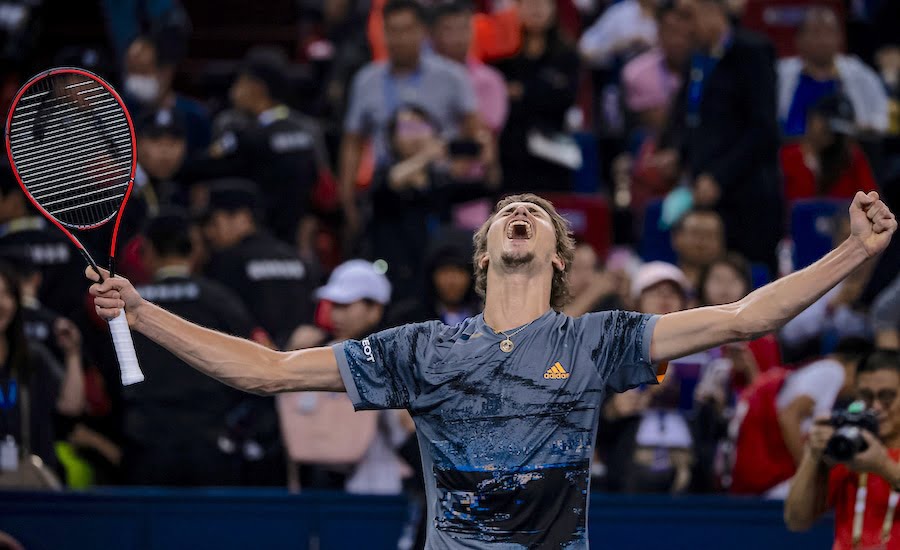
169, 232
164, 122
230, 195
838, 112
268, 65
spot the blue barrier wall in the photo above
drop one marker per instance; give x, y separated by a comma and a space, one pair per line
149, 519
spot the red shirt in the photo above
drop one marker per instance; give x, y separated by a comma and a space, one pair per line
842, 486
800, 182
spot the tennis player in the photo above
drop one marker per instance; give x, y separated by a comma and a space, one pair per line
506, 402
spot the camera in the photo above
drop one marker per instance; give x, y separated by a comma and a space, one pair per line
848, 424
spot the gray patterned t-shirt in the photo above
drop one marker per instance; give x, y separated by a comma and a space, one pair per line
506, 438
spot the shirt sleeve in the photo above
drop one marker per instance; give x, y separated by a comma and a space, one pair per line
383, 371
620, 347
355, 120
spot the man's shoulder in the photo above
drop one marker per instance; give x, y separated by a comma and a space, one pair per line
370, 72
438, 68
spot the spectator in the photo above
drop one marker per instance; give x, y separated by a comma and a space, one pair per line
263, 271
150, 65
822, 70
836, 315
650, 82
54, 392
190, 455
591, 288
21, 229
776, 413
650, 442
698, 238
451, 34
857, 490
725, 133
358, 295
542, 78
409, 77
826, 162
162, 149
624, 30
726, 280
449, 287
415, 191
282, 151
885, 316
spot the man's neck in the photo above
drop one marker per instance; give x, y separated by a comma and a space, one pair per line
402, 68
720, 37
820, 71
515, 299
172, 267
264, 105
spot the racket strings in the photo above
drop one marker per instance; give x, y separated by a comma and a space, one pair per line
71, 144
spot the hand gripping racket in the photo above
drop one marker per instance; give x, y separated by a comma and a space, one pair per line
71, 146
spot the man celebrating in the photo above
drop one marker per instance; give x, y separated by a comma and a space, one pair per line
506, 402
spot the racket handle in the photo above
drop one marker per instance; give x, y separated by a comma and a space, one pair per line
128, 363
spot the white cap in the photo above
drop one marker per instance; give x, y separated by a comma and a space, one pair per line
356, 280
653, 273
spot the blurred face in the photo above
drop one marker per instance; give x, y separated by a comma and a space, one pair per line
819, 39
356, 319
451, 36
661, 298
724, 286
879, 390
161, 156
145, 80
818, 134
674, 38
222, 229
584, 266
537, 16
412, 134
452, 283
700, 239
705, 21
521, 237
245, 92
7, 305
404, 35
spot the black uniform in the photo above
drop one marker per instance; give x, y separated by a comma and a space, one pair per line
175, 419
283, 153
270, 278
64, 287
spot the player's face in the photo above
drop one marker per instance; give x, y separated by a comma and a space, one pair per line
520, 233
879, 390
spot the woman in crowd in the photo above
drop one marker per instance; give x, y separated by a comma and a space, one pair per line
826, 162
30, 377
413, 195
541, 82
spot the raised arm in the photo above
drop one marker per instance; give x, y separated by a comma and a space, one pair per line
237, 362
767, 309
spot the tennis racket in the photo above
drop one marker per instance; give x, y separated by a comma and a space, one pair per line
70, 142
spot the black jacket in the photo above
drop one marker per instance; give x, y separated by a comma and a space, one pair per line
736, 138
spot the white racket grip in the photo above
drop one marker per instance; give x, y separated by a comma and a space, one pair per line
128, 363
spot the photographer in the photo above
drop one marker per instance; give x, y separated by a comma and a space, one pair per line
822, 481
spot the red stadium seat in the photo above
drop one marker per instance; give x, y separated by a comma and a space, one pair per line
589, 217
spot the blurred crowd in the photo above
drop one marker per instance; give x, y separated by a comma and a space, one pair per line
323, 182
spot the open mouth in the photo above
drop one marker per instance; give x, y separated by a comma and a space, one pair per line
519, 229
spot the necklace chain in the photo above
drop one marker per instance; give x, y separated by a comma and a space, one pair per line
517, 331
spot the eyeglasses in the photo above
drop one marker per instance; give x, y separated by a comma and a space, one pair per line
885, 397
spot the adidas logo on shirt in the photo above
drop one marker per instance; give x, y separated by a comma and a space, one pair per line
556, 372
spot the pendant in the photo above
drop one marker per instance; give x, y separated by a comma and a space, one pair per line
506, 345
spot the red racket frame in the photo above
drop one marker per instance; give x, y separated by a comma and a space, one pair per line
57, 223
